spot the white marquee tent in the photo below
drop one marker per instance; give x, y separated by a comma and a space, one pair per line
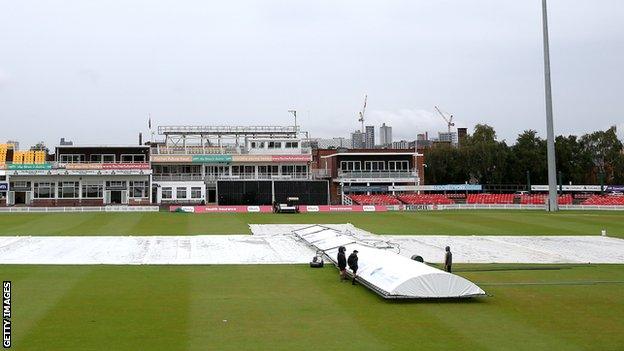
388, 273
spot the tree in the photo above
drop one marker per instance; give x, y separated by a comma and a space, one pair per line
486, 157
529, 155
605, 151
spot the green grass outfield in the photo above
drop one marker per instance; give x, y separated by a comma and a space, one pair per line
465, 222
281, 307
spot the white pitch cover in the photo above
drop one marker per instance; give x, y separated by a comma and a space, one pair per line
388, 273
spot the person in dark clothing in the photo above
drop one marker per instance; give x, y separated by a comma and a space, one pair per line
353, 264
342, 263
448, 259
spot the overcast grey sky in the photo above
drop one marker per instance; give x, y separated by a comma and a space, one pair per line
91, 71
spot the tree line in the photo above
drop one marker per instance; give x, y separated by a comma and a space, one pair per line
593, 158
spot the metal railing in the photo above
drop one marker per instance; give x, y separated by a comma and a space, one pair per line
220, 130
242, 176
377, 174
177, 177
225, 150
108, 208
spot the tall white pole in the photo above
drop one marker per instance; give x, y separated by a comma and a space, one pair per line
550, 134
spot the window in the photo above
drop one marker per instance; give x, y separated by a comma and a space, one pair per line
301, 170
181, 193
138, 189
350, 166
44, 190
398, 165
92, 190
20, 184
135, 158
108, 158
166, 193
102, 158
116, 184
292, 144
288, 170
375, 165
71, 158
68, 190
196, 192
275, 144
266, 170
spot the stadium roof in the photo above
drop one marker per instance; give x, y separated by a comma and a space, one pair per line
387, 273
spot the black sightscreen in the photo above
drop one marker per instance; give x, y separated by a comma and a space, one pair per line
244, 192
308, 192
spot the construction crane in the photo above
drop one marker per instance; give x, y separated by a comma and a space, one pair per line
448, 120
361, 119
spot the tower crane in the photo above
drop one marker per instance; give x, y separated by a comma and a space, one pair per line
361, 119
448, 120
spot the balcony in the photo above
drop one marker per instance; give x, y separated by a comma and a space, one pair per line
215, 177
180, 177
377, 176
224, 150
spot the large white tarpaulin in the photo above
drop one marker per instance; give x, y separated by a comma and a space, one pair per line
388, 273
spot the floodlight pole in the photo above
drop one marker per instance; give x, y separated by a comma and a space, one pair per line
550, 135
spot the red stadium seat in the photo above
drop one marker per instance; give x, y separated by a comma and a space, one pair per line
540, 199
498, 199
425, 199
604, 200
375, 199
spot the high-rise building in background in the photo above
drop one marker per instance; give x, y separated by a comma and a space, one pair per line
461, 134
369, 141
450, 137
403, 144
358, 140
385, 135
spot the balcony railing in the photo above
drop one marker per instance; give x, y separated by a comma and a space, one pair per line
377, 174
224, 150
177, 177
215, 177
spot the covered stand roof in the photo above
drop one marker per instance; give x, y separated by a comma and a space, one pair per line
388, 273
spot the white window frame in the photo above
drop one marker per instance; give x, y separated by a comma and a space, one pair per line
75, 185
138, 184
392, 165
71, 158
135, 158
196, 190
92, 184
49, 185
164, 190
374, 166
350, 166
